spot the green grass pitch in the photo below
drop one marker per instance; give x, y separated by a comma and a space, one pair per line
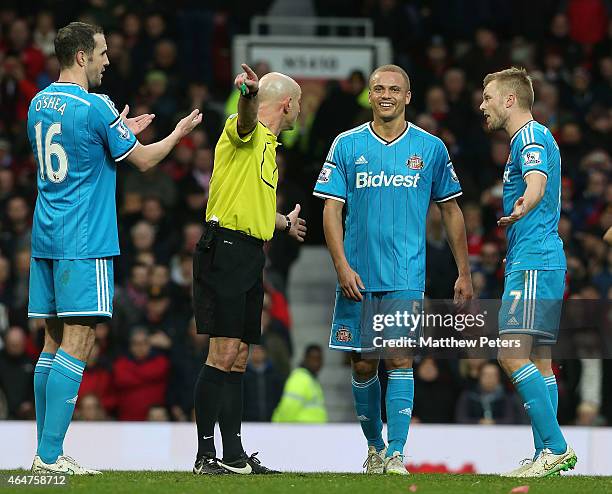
313, 483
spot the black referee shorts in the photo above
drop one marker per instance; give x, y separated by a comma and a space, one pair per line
228, 284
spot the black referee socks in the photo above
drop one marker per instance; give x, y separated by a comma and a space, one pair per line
230, 418
209, 397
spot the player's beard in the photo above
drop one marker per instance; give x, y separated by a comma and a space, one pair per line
95, 80
497, 123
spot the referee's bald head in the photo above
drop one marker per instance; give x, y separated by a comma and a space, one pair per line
280, 95
275, 87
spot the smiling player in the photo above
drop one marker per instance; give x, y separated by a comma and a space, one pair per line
385, 172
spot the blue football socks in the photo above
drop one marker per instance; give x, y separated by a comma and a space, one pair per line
533, 390
61, 397
366, 396
553, 392
41, 375
399, 399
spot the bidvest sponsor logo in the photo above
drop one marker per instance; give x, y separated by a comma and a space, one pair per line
368, 179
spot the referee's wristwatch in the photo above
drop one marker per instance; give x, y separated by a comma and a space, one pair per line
288, 227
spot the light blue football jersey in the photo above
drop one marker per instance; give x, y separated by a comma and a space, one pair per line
76, 137
533, 241
387, 188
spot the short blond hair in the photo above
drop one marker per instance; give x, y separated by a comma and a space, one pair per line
390, 68
516, 81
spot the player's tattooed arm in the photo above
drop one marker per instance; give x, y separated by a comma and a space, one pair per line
454, 224
349, 281
536, 185
247, 83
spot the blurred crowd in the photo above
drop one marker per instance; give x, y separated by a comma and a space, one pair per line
169, 58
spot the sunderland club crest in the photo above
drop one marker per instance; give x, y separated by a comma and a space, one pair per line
415, 162
343, 335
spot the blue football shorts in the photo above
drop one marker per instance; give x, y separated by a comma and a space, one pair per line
358, 326
531, 304
71, 287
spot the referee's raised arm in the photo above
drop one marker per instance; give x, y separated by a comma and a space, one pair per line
247, 83
229, 259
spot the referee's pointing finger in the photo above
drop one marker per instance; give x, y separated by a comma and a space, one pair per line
249, 72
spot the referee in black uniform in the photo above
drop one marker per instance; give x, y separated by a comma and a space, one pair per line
229, 260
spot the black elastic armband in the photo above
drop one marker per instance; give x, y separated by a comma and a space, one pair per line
249, 95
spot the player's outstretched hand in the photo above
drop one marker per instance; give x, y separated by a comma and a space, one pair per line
188, 123
463, 290
350, 283
248, 78
517, 213
136, 124
298, 225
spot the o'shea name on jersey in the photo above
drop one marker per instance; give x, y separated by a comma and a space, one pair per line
77, 137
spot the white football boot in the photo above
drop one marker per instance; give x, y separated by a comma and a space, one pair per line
374, 463
548, 463
520, 471
395, 464
64, 465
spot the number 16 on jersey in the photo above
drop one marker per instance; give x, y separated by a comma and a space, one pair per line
50, 149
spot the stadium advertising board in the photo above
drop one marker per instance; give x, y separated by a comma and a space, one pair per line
313, 58
289, 447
